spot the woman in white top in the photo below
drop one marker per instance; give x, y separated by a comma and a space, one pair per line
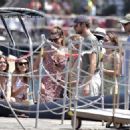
20, 80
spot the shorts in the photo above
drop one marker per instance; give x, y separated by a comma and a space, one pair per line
94, 88
95, 85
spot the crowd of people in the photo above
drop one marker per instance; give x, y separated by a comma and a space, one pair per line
89, 7
84, 52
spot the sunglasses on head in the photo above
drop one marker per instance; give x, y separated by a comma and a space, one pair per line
23, 63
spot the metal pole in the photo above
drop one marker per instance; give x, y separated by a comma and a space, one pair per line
39, 88
102, 86
31, 50
128, 85
77, 83
66, 86
8, 31
40, 80
12, 109
65, 93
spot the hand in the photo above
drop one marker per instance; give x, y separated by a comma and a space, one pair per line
86, 90
25, 86
58, 76
42, 88
58, 58
55, 57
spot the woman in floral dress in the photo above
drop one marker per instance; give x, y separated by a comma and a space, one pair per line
54, 63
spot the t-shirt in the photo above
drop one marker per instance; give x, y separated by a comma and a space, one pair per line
90, 46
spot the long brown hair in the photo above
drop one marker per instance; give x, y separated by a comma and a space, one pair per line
7, 68
17, 71
114, 40
60, 32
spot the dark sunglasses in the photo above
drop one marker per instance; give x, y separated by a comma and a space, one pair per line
54, 40
3, 62
53, 33
23, 63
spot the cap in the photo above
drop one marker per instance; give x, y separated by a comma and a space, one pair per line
100, 32
81, 19
126, 19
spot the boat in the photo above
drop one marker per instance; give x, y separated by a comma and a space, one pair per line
54, 110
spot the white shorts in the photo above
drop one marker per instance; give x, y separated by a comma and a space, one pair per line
94, 88
95, 85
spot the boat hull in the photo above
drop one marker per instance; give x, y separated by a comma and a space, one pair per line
52, 110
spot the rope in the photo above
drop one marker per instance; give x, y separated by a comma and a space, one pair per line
50, 75
11, 108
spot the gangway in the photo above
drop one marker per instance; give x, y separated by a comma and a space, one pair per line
121, 117
116, 116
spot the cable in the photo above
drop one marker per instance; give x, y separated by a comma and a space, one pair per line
11, 108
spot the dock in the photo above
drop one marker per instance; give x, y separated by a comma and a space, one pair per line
47, 124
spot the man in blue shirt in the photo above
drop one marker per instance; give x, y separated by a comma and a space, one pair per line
126, 64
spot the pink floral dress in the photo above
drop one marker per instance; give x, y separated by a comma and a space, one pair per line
55, 65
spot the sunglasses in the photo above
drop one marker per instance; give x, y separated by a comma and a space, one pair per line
3, 62
23, 63
52, 33
54, 40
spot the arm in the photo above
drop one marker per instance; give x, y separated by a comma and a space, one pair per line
93, 64
42, 88
117, 64
37, 59
109, 72
117, 67
92, 68
9, 87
